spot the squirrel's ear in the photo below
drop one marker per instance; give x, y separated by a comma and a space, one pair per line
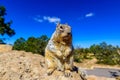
58, 24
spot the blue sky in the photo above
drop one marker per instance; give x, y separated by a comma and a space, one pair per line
92, 21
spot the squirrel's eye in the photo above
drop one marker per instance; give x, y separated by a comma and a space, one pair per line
61, 27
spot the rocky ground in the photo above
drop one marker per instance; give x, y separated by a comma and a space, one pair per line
20, 65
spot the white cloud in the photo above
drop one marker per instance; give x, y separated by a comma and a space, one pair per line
52, 19
89, 14
38, 19
47, 18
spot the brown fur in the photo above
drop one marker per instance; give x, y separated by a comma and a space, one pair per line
59, 51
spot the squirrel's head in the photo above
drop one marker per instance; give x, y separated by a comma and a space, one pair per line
64, 31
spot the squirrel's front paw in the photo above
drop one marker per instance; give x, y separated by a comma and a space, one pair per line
68, 73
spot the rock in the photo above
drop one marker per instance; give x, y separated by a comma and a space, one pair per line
20, 65
5, 48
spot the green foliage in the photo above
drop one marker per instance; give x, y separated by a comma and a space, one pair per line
35, 45
80, 54
78, 57
5, 26
19, 44
104, 53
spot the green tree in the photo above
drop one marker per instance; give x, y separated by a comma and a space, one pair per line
43, 40
5, 26
106, 54
19, 44
78, 54
81, 53
32, 44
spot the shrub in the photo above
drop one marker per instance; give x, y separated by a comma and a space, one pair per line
32, 44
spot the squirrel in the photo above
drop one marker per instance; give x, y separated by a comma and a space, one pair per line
59, 51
